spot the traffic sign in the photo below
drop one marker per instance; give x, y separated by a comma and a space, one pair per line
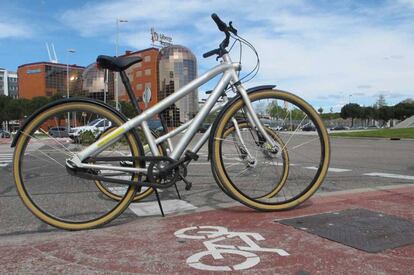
146, 97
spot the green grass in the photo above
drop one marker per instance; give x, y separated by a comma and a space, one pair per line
380, 133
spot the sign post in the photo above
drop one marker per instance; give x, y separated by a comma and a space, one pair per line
146, 96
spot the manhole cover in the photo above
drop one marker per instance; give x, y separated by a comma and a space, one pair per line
358, 228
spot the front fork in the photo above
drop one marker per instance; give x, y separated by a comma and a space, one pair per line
254, 120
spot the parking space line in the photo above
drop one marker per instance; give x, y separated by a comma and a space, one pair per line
152, 208
331, 169
388, 175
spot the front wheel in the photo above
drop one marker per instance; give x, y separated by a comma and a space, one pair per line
248, 179
52, 194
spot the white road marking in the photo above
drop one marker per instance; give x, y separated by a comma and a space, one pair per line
337, 170
216, 249
393, 176
6, 159
120, 190
152, 208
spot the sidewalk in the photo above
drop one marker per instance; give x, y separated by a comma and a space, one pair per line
236, 238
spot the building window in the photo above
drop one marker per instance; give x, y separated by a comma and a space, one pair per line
148, 85
147, 58
138, 74
138, 87
139, 64
147, 72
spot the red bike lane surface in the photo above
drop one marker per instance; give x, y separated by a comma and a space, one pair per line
150, 245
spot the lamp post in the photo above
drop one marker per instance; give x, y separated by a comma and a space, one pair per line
67, 80
116, 54
349, 98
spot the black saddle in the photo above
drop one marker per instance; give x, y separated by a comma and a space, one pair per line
117, 64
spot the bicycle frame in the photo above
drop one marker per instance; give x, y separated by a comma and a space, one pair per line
230, 76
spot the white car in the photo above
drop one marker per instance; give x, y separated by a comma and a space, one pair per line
96, 127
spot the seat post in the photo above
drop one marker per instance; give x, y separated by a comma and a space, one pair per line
132, 97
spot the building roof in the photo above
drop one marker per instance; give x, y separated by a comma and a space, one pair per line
140, 51
52, 64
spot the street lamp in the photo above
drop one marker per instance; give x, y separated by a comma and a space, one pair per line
116, 54
349, 98
67, 80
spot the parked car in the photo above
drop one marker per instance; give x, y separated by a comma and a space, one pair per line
4, 134
340, 127
155, 125
96, 127
308, 128
58, 132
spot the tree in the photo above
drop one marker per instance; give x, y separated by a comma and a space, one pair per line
38, 102
351, 110
320, 110
380, 102
403, 110
128, 109
385, 113
4, 101
368, 113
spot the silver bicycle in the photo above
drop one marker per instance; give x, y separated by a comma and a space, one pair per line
253, 163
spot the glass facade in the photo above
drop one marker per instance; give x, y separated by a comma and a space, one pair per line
56, 80
177, 66
94, 82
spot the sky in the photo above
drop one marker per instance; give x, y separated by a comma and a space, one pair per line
328, 52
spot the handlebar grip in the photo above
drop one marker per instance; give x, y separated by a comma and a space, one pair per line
210, 53
220, 24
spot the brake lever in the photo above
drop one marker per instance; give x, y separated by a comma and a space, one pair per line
231, 28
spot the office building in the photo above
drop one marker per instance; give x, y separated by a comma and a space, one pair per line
8, 83
177, 66
47, 79
142, 75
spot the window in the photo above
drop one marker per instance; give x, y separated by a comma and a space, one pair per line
147, 58
138, 87
138, 74
148, 85
147, 72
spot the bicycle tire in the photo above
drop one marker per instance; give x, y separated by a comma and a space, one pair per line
290, 195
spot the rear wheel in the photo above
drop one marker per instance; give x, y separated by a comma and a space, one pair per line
43, 183
249, 179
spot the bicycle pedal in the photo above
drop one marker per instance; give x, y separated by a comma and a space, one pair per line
188, 184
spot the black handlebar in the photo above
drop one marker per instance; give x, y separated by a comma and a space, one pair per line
220, 24
223, 45
212, 52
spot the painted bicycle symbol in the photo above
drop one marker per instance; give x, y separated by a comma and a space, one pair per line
215, 234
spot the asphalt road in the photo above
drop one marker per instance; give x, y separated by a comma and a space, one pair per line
355, 163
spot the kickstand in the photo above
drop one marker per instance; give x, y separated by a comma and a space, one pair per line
159, 201
178, 192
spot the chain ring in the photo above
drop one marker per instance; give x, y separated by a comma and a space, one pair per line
167, 180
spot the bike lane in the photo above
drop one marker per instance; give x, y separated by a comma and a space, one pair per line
232, 239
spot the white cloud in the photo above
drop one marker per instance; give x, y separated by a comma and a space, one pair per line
311, 50
10, 29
